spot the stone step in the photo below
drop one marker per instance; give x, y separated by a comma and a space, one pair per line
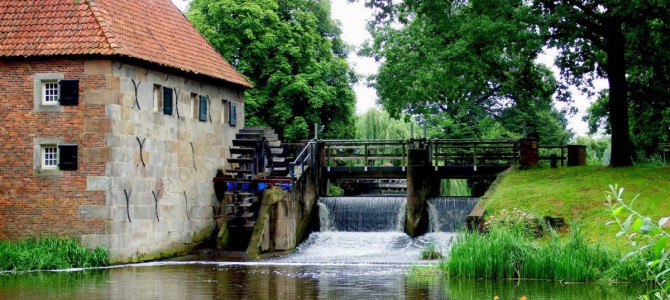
277, 151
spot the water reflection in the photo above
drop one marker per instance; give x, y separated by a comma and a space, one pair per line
223, 280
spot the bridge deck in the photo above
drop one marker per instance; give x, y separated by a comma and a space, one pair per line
393, 172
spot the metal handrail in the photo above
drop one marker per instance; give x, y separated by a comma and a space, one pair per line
300, 160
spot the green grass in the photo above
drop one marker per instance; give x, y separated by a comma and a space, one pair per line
48, 253
430, 252
578, 194
504, 253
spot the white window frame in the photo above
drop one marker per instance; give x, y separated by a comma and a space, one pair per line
50, 92
49, 155
39, 103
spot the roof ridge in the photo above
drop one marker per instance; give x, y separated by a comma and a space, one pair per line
104, 27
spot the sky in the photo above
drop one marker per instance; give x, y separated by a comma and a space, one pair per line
353, 18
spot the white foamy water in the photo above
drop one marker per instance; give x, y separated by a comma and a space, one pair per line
353, 248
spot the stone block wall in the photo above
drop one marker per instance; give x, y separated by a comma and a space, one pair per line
164, 163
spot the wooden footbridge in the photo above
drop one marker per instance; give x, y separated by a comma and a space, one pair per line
447, 159
258, 160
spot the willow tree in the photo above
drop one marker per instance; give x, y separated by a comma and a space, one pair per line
376, 124
291, 50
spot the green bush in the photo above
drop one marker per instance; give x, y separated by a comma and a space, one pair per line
49, 253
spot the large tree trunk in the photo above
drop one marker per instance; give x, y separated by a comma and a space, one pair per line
618, 98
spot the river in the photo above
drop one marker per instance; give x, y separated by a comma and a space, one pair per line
330, 264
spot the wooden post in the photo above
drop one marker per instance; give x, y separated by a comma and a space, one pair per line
530, 155
576, 155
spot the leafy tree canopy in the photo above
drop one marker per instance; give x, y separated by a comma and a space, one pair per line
624, 41
465, 67
292, 52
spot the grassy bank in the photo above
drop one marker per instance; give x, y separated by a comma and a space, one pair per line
48, 253
505, 253
578, 194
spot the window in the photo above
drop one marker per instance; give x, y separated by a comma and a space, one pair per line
202, 116
194, 106
167, 101
224, 111
49, 92
158, 97
49, 157
232, 111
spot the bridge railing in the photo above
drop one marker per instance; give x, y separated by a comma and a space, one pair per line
302, 161
553, 152
365, 153
473, 152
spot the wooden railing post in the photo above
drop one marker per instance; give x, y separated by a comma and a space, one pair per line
529, 152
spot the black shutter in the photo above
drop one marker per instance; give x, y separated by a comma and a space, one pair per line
167, 101
202, 116
67, 157
232, 111
69, 92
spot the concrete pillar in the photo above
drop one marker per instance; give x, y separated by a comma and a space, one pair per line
530, 154
576, 155
421, 184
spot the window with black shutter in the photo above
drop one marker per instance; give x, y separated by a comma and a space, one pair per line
232, 120
67, 156
202, 116
69, 92
167, 100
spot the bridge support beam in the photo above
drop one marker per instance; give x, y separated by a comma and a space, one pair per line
422, 183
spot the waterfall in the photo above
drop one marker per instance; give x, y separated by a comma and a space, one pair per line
447, 214
324, 218
362, 214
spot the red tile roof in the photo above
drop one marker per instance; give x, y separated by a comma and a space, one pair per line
151, 30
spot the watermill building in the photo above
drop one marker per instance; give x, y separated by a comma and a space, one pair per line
114, 117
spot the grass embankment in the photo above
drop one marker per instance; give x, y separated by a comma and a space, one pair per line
578, 194
49, 253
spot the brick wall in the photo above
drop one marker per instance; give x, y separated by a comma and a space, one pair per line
36, 204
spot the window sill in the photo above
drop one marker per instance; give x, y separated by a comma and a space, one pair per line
47, 172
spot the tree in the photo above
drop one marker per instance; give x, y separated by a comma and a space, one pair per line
595, 38
376, 124
292, 52
467, 67
648, 66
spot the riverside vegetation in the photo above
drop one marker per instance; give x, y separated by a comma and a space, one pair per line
49, 253
634, 247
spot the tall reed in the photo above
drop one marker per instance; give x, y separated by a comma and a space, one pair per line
509, 253
48, 253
